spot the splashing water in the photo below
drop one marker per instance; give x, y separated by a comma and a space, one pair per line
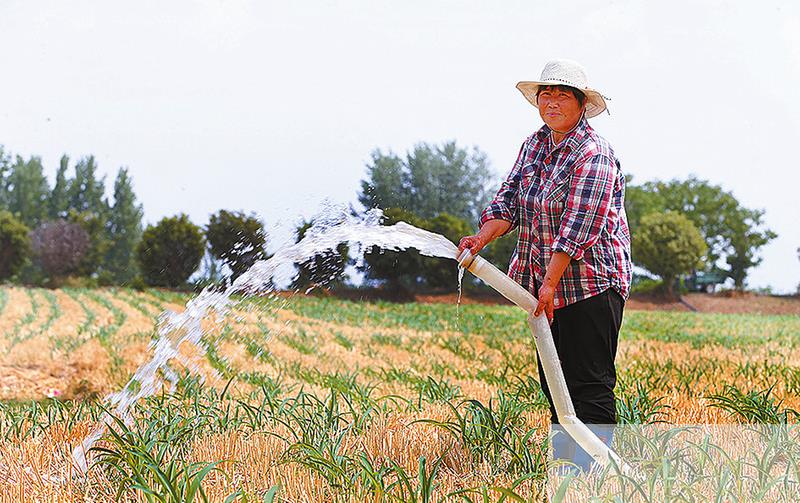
460, 289
332, 228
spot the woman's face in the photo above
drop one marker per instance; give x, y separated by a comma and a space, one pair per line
559, 109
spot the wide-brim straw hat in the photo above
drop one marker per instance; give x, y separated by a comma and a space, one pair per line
564, 72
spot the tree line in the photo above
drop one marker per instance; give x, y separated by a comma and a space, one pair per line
71, 231
679, 228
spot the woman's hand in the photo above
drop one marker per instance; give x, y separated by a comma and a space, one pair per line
547, 292
488, 232
474, 243
547, 295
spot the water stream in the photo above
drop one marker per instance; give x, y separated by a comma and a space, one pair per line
333, 227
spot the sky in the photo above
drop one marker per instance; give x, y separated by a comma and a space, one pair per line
274, 107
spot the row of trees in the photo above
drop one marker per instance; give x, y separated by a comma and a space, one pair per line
73, 215
666, 219
49, 233
678, 227
72, 230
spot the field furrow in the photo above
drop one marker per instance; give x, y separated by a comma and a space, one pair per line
330, 400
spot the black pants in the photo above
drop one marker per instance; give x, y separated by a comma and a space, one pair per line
585, 334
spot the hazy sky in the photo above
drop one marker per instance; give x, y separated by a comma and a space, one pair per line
273, 106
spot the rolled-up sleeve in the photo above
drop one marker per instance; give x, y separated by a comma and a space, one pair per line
587, 206
505, 202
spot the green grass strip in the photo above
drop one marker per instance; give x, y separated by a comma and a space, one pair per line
29, 318
3, 298
507, 323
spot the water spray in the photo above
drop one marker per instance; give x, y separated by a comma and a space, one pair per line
334, 227
543, 338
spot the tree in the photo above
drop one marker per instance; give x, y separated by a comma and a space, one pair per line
59, 197
326, 268
5, 169
439, 272
670, 245
27, 191
236, 238
59, 248
733, 234
400, 271
96, 229
430, 180
86, 192
124, 229
170, 251
746, 239
14, 245
88, 207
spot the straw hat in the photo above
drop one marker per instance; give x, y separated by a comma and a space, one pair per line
564, 72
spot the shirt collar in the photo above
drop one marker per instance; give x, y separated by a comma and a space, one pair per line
543, 134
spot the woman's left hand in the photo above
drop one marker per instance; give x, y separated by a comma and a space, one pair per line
547, 294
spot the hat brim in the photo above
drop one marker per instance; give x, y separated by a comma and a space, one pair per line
595, 102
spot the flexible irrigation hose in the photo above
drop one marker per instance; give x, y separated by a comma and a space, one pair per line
548, 356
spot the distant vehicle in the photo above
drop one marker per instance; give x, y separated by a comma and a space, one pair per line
705, 281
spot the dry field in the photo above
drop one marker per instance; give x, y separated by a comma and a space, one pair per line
315, 399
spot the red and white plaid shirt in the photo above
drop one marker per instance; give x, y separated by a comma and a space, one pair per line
570, 198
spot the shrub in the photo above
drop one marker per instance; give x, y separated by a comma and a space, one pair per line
236, 238
14, 245
170, 251
669, 245
59, 248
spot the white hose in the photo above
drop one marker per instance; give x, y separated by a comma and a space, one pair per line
543, 338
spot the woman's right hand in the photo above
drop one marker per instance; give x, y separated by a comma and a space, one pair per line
474, 243
489, 231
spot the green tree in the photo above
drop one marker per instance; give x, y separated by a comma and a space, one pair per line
124, 229
400, 272
670, 245
27, 191
59, 197
439, 272
88, 207
431, 179
324, 269
5, 169
747, 238
170, 251
95, 226
15, 245
733, 234
87, 192
236, 238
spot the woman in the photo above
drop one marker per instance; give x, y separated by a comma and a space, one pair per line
565, 194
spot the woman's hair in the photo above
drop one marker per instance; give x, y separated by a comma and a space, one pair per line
575, 92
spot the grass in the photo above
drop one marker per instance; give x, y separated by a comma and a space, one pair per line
331, 400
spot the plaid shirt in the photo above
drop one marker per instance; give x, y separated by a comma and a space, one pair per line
570, 198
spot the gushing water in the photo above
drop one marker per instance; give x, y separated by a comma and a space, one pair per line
460, 289
332, 228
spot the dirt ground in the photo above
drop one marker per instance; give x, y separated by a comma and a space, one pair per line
726, 302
